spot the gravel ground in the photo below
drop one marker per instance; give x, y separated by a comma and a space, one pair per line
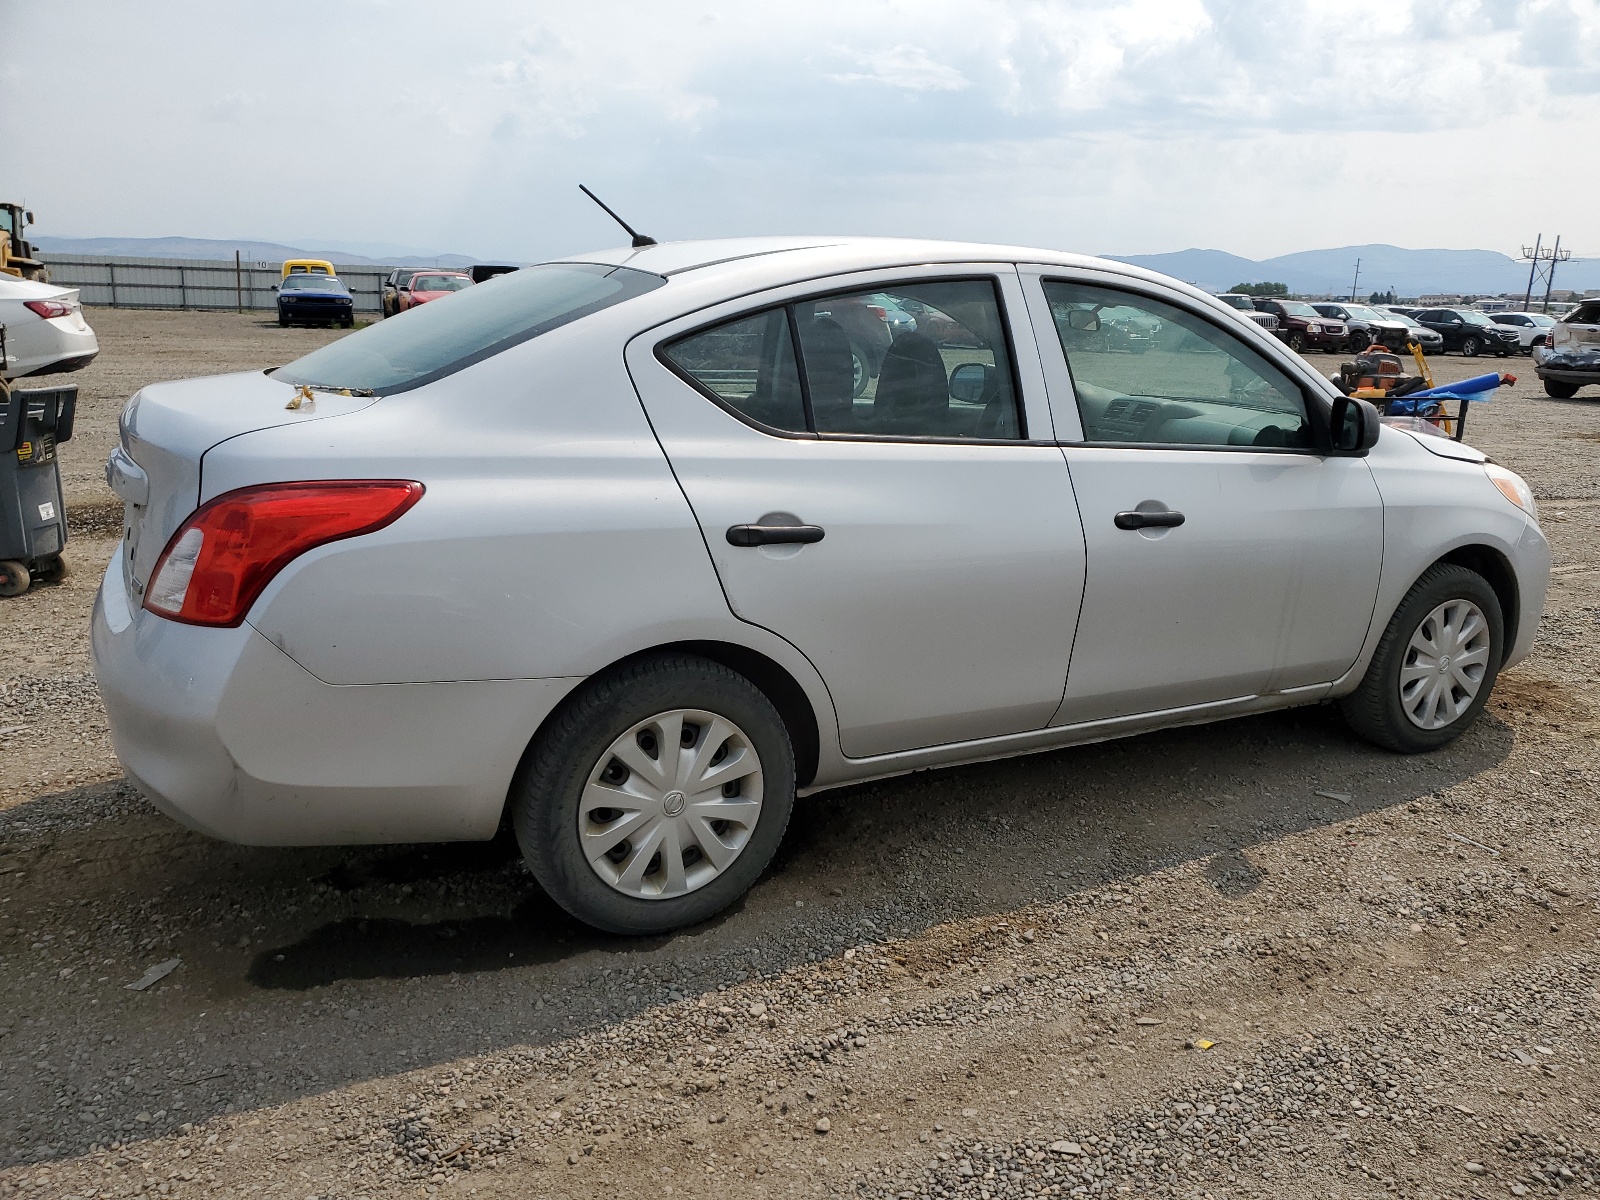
1252, 959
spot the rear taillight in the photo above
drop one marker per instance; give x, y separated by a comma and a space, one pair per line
48, 308
219, 560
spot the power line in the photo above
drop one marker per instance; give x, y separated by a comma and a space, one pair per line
1542, 265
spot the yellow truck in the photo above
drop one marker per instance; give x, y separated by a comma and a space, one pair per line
307, 266
16, 256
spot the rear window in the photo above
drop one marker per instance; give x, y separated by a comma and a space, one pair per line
1588, 314
438, 339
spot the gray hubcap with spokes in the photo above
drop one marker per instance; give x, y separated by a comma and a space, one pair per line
1446, 662
671, 804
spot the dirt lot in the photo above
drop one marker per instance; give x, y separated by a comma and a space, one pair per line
1253, 959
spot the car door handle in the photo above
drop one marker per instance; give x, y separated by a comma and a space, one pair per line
1166, 519
774, 535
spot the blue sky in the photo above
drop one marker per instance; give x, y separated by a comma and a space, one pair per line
1110, 126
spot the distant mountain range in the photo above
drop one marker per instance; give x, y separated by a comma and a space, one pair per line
1308, 272
181, 247
1383, 268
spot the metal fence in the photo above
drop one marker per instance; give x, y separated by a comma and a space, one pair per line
205, 283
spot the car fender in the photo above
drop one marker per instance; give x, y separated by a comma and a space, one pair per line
1434, 506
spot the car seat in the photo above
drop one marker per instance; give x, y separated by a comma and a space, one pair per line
831, 375
913, 390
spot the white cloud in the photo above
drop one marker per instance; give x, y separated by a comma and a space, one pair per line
907, 67
1118, 125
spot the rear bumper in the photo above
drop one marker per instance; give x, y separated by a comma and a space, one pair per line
45, 348
228, 735
1567, 366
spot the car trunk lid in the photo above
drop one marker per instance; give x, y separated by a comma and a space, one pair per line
166, 430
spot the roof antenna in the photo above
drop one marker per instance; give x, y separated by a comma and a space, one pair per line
640, 240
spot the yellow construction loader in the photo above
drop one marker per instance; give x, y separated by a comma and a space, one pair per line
16, 256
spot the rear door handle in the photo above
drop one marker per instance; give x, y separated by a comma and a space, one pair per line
1165, 519
774, 535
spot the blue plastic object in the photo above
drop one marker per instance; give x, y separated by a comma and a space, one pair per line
1476, 388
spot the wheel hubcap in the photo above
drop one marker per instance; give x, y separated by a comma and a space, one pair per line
671, 804
1445, 665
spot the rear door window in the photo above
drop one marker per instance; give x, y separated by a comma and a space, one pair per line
915, 360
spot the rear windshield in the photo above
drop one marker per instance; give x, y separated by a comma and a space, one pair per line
434, 340
1588, 314
312, 283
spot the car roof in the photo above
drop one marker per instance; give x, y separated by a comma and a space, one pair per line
774, 261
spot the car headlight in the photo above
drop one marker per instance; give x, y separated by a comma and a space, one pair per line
1514, 488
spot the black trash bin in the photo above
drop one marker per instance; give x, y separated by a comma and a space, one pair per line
33, 514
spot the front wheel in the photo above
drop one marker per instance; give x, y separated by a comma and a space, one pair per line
1435, 665
53, 569
657, 796
1557, 390
1297, 343
1470, 347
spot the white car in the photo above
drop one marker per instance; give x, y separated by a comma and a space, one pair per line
45, 332
1533, 329
614, 546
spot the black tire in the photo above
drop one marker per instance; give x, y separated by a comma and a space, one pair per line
283, 321
546, 795
53, 569
1297, 342
1374, 709
1558, 390
1470, 346
14, 577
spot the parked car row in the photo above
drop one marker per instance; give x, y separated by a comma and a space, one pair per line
313, 293
1337, 326
409, 287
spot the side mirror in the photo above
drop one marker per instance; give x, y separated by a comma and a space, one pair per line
1353, 426
27, 218
969, 381
1083, 320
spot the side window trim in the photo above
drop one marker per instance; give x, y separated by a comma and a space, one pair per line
1007, 322
1065, 411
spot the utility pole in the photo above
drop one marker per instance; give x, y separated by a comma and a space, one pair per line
1354, 281
1542, 265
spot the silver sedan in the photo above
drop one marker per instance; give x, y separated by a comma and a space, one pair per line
640, 545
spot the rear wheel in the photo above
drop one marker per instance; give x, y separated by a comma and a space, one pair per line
1435, 665
14, 577
1558, 390
52, 569
1470, 346
657, 797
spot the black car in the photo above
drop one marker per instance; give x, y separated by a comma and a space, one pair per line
306, 298
1368, 325
1470, 332
389, 299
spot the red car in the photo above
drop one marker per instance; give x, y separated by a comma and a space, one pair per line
429, 285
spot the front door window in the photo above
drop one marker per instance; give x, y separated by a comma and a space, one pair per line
1150, 373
